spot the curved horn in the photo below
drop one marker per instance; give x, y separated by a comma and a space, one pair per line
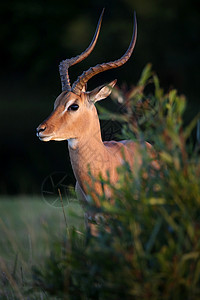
85, 76
65, 64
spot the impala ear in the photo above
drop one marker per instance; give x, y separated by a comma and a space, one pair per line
101, 92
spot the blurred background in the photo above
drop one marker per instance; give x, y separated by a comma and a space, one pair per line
37, 34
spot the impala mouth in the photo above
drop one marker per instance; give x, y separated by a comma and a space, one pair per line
44, 138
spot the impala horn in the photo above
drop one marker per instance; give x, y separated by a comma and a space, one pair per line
65, 64
86, 75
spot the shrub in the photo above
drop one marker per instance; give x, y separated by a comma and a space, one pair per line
148, 242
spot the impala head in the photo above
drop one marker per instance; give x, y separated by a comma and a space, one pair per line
74, 111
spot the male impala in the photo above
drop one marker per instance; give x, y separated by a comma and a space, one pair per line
75, 119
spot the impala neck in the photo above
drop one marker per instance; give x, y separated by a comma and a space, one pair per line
91, 136
88, 152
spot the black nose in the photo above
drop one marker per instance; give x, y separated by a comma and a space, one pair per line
40, 129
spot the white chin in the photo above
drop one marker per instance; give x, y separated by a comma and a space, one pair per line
50, 138
45, 138
59, 139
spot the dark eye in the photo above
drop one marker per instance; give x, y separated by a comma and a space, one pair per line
73, 107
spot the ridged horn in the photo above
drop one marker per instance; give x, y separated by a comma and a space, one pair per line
86, 75
65, 64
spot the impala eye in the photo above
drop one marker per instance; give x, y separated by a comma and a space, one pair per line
73, 107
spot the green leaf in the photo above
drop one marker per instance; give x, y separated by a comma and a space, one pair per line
146, 74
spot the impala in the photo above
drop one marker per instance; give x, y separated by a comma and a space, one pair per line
75, 119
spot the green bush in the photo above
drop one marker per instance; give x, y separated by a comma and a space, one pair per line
148, 242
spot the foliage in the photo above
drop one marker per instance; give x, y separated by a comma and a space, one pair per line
148, 242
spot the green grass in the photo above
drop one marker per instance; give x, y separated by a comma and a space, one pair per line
28, 227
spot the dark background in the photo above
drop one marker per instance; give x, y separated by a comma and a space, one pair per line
36, 35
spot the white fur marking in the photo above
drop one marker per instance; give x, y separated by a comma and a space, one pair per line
68, 105
72, 143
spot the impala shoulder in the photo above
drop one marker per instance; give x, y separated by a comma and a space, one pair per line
113, 144
109, 143
120, 145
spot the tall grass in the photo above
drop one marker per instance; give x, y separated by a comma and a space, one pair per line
29, 228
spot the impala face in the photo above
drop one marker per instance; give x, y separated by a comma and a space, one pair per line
73, 115
67, 120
